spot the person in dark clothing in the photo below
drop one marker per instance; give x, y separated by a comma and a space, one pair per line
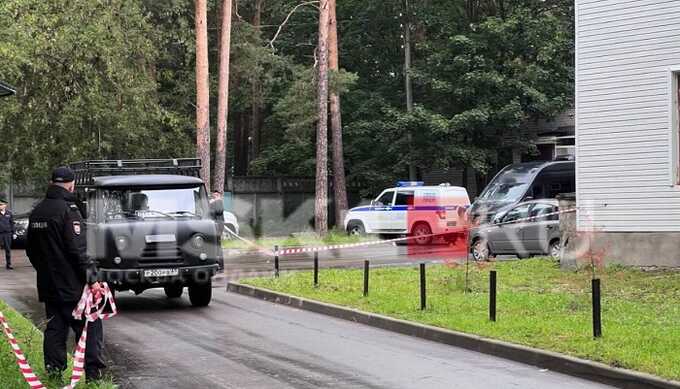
56, 247
217, 212
7, 233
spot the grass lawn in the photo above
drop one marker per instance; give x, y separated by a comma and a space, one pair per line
303, 239
538, 305
30, 339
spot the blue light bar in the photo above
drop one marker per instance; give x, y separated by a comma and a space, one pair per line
410, 183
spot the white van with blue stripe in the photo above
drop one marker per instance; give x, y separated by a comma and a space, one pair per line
412, 209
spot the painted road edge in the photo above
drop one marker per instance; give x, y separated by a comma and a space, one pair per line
594, 371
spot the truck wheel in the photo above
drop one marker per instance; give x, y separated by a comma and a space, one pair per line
356, 228
173, 291
200, 294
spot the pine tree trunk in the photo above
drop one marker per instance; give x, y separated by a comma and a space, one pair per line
223, 98
321, 202
202, 91
339, 185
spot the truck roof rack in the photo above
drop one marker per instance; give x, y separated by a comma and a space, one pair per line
86, 171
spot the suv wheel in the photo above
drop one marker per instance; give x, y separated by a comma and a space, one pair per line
173, 291
200, 294
356, 228
555, 249
480, 250
422, 233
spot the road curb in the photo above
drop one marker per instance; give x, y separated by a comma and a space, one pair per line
582, 368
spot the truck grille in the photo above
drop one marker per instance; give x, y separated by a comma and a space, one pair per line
162, 253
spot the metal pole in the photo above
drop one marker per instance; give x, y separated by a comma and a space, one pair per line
412, 171
316, 269
467, 272
366, 264
276, 261
492, 295
423, 291
597, 309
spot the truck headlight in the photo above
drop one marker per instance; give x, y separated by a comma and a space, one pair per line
198, 241
122, 242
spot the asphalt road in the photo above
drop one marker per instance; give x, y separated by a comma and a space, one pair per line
240, 342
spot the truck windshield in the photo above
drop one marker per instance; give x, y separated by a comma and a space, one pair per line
140, 204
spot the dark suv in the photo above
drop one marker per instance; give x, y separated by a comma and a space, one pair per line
148, 225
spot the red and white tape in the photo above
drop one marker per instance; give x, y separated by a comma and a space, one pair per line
303, 250
525, 219
24, 366
90, 308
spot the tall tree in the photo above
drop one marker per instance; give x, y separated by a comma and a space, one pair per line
339, 185
321, 201
84, 72
223, 98
202, 91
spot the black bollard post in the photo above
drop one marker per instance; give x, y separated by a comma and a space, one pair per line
492, 295
423, 291
276, 261
366, 263
597, 309
316, 269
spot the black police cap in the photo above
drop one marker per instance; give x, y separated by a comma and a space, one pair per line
63, 174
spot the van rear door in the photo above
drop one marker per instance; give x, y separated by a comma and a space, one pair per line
455, 202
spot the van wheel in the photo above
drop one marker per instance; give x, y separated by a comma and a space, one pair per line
555, 249
356, 228
481, 250
422, 233
200, 294
173, 291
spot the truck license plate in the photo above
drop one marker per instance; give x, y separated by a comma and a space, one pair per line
161, 272
164, 238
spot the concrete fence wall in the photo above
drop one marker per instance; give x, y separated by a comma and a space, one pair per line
21, 198
271, 206
277, 206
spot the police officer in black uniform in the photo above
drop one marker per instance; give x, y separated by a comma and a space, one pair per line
7, 233
56, 247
